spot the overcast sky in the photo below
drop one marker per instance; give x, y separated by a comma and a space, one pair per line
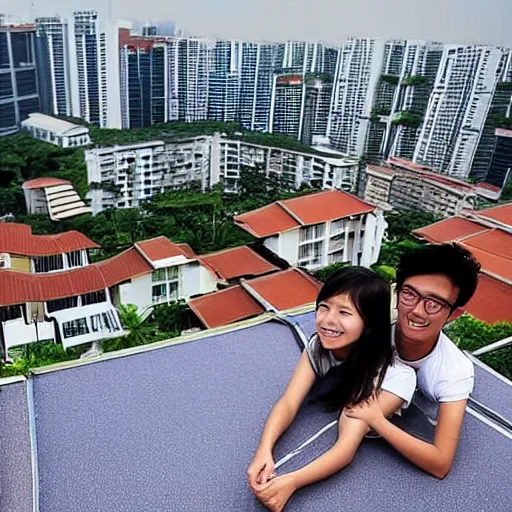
464, 21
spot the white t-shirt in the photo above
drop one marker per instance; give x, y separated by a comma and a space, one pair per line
444, 375
399, 379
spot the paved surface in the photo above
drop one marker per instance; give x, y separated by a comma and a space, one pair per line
15, 460
174, 430
493, 392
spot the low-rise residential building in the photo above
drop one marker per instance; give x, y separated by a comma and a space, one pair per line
22, 251
56, 131
315, 230
124, 176
487, 234
409, 186
253, 297
54, 197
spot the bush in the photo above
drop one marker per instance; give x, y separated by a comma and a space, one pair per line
471, 334
325, 273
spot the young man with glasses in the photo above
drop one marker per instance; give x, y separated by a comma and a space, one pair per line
431, 282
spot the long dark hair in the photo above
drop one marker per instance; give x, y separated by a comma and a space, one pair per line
363, 370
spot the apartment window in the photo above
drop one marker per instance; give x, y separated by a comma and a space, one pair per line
10, 313
60, 304
94, 298
159, 293
312, 232
159, 275
75, 259
76, 327
48, 263
310, 255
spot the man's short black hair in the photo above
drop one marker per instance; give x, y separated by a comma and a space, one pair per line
451, 260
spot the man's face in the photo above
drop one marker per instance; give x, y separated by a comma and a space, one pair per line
417, 322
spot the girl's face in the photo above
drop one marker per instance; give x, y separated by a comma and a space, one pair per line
338, 324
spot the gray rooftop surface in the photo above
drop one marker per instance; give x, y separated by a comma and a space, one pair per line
174, 429
15, 451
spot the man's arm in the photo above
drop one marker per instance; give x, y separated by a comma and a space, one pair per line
276, 492
436, 458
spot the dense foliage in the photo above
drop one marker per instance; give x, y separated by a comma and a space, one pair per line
471, 334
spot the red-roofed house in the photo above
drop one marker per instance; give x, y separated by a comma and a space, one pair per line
499, 216
449, 230
315, 230
54, 197
237, 262
275, 292
23, 251
492, 247
225, 307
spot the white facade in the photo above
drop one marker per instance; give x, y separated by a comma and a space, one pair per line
53, 36
356, 77
55, 131
458, 108
123, 176
355, 240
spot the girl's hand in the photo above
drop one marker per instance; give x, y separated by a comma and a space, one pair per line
368, 411
260, 469
276, 492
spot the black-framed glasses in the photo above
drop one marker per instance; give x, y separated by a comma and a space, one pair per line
408, 296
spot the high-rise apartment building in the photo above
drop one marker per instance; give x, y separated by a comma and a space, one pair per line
458, 108
19, 90
144, 74
225, 81
256, 82
300, 63
408, 73
501, 158
53, 50
96, 55
189, 65
356, 78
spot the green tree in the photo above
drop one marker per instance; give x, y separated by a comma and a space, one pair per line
325, 273
471, 334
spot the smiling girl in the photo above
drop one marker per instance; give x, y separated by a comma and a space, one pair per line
351, 348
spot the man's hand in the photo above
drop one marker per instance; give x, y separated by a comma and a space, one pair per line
276, 492
368, 411
260, 469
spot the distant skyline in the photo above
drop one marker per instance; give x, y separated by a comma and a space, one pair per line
453, 21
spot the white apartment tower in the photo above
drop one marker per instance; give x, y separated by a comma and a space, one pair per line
96, 54
356, 77
189, 65
52, 40
458, 108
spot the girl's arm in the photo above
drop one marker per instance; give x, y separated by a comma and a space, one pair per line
279, 419
275, 493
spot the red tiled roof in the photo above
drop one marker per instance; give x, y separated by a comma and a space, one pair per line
488, 186
381, 169
449, 230
18, 239
44, 183
189, 252
326, 206
266, 221
287, 289
304, 210
20, 287
225, 307
502, 213
160, 248
497, 265
494, 241
503, 132
124, 266
407, 164
238, 262
491, 301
